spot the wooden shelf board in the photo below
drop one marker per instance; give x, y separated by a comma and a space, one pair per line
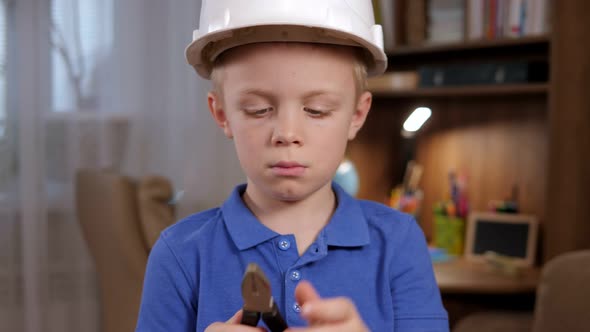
491, 90
469, 45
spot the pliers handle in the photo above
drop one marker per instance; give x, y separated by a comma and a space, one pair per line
258, 301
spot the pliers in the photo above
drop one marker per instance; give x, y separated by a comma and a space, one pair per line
258, 301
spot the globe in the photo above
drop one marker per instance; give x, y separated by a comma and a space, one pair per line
347, 177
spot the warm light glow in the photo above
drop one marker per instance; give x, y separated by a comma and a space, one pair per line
345, 166
417, 119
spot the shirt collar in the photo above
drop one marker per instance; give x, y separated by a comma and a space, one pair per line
347, 227
244, 228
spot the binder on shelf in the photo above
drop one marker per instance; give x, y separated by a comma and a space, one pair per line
483, 74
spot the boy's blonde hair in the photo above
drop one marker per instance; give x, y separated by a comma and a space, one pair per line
359, 69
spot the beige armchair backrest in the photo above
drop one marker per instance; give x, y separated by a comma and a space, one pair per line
120, 220
155, 212
563, 294
562, 302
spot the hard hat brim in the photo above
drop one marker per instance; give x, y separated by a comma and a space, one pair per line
203, 51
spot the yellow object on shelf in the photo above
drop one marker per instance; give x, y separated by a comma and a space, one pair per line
449, 233
394, 81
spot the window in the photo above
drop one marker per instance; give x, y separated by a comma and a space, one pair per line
81, 39
6, 144
3, 48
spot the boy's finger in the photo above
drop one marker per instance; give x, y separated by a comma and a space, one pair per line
236, 318
225, 327
329, 310
304, 293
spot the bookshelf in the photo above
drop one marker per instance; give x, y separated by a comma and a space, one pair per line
533, 135
503, 44
485, 131
470, 91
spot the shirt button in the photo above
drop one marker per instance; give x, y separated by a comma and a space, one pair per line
284, 244
296, 307
295, 275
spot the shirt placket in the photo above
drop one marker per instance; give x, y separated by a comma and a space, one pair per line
294, 273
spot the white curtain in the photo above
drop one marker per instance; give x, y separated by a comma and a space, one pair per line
128, 102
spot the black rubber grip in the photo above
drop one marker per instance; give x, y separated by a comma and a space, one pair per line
273, 320
250, 318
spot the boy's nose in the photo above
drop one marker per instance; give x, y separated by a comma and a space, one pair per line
287, 129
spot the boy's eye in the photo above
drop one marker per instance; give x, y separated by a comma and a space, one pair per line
314, 113
258, 112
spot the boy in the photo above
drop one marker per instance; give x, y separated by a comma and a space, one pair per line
289, 87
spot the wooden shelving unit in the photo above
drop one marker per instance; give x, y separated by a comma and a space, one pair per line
467, 91
497, 134
408, 57
533, 135
536, 42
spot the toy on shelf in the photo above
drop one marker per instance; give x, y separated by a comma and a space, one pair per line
508, 205
407, 197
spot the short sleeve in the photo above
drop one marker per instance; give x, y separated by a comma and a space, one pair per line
416, 298
167, 303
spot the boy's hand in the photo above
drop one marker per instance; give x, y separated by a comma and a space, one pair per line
232, 325
326, 315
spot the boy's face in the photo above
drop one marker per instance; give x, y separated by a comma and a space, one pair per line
290, 109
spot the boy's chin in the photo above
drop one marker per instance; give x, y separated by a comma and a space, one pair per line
292, 191
289, 192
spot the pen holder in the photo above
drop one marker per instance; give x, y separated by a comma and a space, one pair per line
449, 233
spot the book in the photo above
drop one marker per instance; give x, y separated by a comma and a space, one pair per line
515, 19
540, 17
386, 15
475, 24
446, 20
415, 22
492, 12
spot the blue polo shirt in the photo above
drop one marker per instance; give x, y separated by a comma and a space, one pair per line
368, 252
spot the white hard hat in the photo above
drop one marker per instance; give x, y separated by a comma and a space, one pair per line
229, 23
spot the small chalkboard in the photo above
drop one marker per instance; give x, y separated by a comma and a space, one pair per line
513, 235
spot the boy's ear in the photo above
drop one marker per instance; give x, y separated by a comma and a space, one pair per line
218, 113
360, 114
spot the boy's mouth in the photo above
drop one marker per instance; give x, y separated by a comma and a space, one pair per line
288, 168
